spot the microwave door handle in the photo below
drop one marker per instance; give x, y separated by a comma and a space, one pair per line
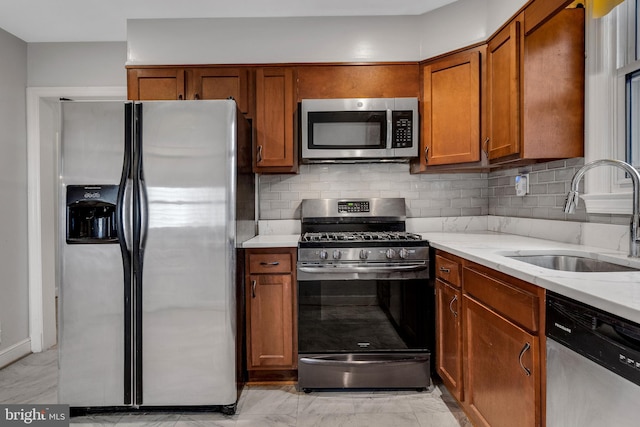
389, 130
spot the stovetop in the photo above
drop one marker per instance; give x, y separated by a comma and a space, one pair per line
360, 236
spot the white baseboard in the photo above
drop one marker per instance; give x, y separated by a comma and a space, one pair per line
15, 352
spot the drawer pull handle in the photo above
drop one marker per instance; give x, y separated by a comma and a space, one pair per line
445, 270
526, 347
259, 160
253, 289
274, 263
454, 299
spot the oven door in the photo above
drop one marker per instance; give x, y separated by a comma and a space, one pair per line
365, 333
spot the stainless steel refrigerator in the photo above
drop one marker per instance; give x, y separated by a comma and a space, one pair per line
155, 198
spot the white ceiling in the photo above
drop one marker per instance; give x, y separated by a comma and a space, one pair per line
106, 20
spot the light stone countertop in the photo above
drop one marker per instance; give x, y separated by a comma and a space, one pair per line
273, 241
617, 293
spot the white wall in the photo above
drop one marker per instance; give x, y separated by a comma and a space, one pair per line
13, 193
77, 64
315, 39
271, 40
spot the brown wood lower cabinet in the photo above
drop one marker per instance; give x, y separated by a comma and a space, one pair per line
502, 369
490, 343
449, 337
271, 314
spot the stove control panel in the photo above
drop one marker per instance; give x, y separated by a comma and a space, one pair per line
353, 207
362, 255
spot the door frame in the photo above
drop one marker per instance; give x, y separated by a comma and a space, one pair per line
42, 304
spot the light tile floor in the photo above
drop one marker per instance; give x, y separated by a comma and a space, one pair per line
34, 380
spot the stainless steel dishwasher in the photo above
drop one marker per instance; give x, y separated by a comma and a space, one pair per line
593, 366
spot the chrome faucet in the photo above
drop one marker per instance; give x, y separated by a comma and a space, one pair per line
572, 198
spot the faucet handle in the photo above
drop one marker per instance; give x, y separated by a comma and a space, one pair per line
571, 201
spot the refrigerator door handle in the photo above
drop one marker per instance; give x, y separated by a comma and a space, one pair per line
144, 214
127, 229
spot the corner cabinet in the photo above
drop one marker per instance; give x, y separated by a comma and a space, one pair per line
490, 343
271, 313
535, 86
275, 143
451, 106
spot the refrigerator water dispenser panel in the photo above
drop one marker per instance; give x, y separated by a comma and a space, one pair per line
91, 214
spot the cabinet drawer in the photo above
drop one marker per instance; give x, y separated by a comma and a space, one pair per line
517, 304
269, 263
448, 270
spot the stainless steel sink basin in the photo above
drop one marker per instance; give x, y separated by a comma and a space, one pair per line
573, 263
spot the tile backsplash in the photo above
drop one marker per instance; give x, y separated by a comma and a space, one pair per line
548, 186
427, 195
431, 195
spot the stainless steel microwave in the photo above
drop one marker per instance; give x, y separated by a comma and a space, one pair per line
359, 129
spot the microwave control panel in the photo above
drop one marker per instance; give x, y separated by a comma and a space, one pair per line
402, 128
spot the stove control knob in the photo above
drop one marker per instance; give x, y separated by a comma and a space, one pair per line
404, 254
364, 254
390, 253
337, 254
323, 254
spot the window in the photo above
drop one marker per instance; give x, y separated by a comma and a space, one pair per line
629, 66
632, 118
612, 104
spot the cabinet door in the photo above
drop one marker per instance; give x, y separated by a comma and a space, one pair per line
220, 83
275, 100
451, 110
270, 322
449, 337
148, 84
502, 369
503, 86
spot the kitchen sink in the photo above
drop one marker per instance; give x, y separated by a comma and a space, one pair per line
573, 263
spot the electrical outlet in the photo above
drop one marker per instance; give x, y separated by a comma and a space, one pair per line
522, 184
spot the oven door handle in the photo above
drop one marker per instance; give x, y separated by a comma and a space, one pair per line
362, 269
381, 361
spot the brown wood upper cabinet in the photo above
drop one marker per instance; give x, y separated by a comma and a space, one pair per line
357, 81
220, 83
535, 87
179, 83
451, 89
275, 142
156, 84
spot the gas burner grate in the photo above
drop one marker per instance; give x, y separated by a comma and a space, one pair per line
359, 236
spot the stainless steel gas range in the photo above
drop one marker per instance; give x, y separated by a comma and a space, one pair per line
365, 302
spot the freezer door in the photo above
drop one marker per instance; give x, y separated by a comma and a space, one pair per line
188, 289
91, 291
